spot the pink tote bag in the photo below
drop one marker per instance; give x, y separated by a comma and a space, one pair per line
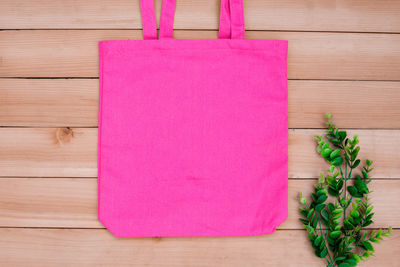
193, 134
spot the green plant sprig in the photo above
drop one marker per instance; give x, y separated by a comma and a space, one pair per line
343, 241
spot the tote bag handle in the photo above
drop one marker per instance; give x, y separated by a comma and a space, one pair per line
231, 24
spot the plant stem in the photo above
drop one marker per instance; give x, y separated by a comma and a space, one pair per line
345, 207
320, 228
345, 189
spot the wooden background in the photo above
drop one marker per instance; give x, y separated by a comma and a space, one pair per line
344, 58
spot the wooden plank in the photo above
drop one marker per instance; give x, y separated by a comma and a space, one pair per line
74, 53
61, 151
317, 15
380, 146
354, 104
49, 202
74, 103
72, 202
72, 152
50, 102
97, 247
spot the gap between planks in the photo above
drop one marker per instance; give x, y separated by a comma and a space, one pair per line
299, 15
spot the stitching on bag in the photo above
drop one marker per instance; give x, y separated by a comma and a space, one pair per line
101, 77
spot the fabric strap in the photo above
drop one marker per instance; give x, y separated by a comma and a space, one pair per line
231, 19
149, 22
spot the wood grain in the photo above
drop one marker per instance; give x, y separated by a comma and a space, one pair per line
72, 202
74, 53
97, 247
40, 151
380, 146
50, 102
301, 15
74, 103
72, 152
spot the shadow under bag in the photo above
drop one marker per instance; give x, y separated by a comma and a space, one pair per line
193, 134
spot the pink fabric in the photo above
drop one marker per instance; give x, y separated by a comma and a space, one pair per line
193, 134
149, 19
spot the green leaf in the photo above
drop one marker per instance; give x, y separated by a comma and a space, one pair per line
303, 221
321, 192
315, 223
324, 252
334, 154
348, 225
333, 192
356, 163
309, 229
338, 227
369, 163
374, 240
353, 191
310, 212
319, 207
361, 185
369, 217
369, 209
364, 236
301, 199
337, 211
344, 264
351, 262
331, 168
325, 215
321, 179
331, 241
339, 184
313, 216
366, 254
335, 234
326, 152
337, 161
355, 153
342, 135
368, 246
367, 223
322, 198
331, 181
304, 212
355, 257
354, 214
318, 240
331, 207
